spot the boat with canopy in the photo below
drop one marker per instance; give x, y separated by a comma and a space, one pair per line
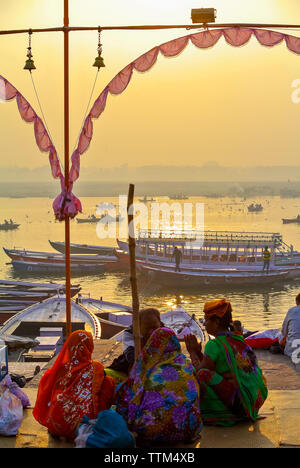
214, 256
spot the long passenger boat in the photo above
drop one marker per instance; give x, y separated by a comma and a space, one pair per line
83, 248
56, 260
214, 257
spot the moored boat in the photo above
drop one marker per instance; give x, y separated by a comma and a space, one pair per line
291, 220
111, 262
51, 313
113, 314
80, 269
197, 278
23, 286
83, 249
223, 252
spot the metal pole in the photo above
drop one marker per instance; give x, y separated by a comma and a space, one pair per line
67, 152
155, 27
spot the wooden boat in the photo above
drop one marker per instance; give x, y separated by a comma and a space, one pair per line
51, 313
214, 251
188, 278
94, 219
83, 249
179, 196
17, 295
255, 208
292, 220
30, 287
111, 314
111, 262
9, 226
145, 199
80, 269
90, 219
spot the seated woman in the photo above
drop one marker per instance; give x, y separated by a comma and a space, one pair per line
149, 321
232, 387
159, 400
75, 386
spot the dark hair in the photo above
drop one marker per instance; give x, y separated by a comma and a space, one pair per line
149, 312
225, 321
298, 299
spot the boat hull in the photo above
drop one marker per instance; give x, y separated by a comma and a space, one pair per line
186, 278
48, 268
111, 262
83, 249
9, 227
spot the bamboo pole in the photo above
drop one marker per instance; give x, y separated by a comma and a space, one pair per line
67, 151
133, 280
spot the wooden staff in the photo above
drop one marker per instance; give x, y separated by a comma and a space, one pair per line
133, 281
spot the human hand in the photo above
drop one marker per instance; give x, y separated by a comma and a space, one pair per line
193, 346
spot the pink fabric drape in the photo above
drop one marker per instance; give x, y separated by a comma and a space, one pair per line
66, 203
236, 37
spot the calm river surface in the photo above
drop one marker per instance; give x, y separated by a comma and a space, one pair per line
258, 308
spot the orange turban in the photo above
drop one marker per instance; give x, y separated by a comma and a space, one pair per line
218, 307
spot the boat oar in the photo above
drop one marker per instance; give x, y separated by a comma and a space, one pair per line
133, 280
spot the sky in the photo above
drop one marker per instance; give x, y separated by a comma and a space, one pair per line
229, 105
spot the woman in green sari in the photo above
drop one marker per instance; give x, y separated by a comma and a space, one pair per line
232, 387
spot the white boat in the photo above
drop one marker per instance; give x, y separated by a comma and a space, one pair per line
83, 249
51, 313
219, 255
177, 318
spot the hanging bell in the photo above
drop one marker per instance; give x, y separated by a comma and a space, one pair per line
29, 64
99, 62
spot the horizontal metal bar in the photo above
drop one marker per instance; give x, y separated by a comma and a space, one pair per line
151, 27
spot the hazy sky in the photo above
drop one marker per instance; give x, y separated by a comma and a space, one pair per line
225, 104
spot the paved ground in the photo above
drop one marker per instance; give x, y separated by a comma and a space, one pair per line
280, 428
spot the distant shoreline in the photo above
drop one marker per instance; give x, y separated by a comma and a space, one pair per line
217, 189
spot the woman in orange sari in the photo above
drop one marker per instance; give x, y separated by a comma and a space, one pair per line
75, 386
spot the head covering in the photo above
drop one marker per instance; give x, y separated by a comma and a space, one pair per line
74, 386
160, 401
218, 307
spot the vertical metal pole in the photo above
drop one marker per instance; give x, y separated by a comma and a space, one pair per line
67, 182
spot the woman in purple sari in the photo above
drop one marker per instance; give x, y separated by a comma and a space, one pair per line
160, 399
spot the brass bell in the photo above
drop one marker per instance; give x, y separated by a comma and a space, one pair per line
29, 65
99, 62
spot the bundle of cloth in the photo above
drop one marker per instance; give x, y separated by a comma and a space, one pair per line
264, 339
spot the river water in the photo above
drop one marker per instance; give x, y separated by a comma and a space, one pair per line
258, 308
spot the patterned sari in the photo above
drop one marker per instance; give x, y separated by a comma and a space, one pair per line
75, 386
236, 390
159, 401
